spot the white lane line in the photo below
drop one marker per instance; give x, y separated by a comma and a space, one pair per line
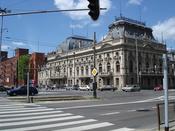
51, 125
21, 108
34, 117
23, 111
40, 121
110, 113
87, 127
110, 104
130, 110
124, 129
29, 114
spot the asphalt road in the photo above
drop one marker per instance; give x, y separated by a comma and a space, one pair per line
132, 110
115, 111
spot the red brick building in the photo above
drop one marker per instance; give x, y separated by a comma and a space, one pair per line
8, 67
36, 60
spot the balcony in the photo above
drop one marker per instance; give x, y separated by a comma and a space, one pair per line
105, 74
108, 58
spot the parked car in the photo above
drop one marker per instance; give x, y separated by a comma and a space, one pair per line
85, 88
22, 91
2, 88
72, 87
130, 88
106, 87
158, 88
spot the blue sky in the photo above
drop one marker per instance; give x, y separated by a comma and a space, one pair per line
44, 32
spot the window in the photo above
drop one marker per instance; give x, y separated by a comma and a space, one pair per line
117, 54
117, 66
92, 67
87, 70
130, 66
100, 67
108, 55
147, 67
77, 71
108, 67
82, 70
117, 81
70, 72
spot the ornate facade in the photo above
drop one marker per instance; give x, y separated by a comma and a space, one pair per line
129, 54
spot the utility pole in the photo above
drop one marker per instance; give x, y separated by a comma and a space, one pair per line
74, 67
28, 84
165, 87
94, 70
137, 61
2, 13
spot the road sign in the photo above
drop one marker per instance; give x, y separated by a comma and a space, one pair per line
94, 72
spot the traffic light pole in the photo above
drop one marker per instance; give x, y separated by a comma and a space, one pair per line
165, 86
94, 80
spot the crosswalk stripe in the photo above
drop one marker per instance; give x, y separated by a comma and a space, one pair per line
34, 117
10, 107
123, 129
14, 109
87, 127
30, 114
18, 104
51, 125
23, 111
40, 121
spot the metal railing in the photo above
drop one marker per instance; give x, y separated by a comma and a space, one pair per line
161, 114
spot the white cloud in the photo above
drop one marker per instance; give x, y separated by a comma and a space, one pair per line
18, 43
79, 4
167, 28
135, 2
5, 47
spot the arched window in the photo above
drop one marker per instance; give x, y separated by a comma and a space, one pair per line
108, 67
92, 67
117, 66
100, 67
147, 67
130, 66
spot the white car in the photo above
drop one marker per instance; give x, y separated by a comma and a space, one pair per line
84, 88
130, 88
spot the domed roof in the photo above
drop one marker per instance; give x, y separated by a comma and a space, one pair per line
74, 42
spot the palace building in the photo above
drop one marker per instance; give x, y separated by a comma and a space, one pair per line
129, 54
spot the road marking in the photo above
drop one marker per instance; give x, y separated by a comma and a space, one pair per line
40, 121
21, 108
130, 110
124, 129
30, 114
110, 113
111, 104
87, 127
34, 117
52, 125
23, 111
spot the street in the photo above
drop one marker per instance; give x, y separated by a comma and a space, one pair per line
115, 111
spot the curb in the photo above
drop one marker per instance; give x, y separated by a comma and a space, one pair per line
49, 98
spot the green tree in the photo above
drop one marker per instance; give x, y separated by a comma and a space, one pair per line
23, 64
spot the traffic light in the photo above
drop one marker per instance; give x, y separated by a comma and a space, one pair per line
94, 9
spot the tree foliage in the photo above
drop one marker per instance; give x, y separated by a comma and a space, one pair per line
23, 63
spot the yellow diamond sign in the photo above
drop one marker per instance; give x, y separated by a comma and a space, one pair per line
94, 72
